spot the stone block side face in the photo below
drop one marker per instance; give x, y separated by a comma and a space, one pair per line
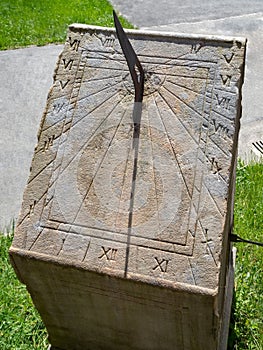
87, 310
81, 207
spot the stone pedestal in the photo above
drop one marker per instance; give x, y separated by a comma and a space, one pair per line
123, 241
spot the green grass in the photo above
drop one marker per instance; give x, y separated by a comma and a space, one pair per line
39, 22
21, 327
247, 332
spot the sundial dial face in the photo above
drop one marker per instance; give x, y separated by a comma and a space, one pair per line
83, 203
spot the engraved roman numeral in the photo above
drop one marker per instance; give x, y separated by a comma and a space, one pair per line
48, 143
215, 166
108, 253
57, 107
67, 64
217, 127
228, 57
220, 128
226, 79
109, 41
223, 101
161, 264
74, 43
32, 208
196, 47
63, 84
106, 41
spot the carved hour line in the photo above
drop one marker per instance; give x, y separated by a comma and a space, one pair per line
103, 78
181, 172
90, 137
86, 251
152, 157
182, 76
97, 170
222, 115
100, 91
208, 248
171, 146
110, 83
192, 137
171, 59
125, 176
184, 87
188, 75
72, 159
95, 108
193, 205
40, 171
186, 64
24, 218
177, 117
119, 61
214, 201
111, 69
191, 269
163, 87
205, 153
218, 146
164, 69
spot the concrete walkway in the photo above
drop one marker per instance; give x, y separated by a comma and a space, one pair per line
148, 13
26, 76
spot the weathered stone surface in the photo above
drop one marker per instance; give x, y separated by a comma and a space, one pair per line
113, 261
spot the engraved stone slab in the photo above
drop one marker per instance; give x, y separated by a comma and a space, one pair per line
114, 261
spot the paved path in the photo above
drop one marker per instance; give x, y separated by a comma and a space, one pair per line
148, 13
26, 75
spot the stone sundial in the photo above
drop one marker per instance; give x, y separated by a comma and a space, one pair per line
152, 205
